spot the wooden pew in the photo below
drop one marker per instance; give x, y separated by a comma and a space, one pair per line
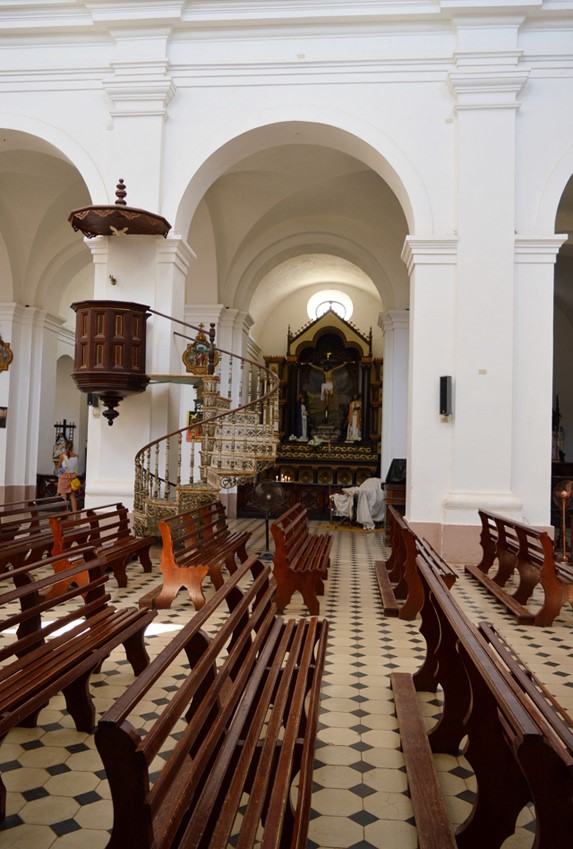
25, 532
528, 681
196, 544
301, 560
38, 661
398, 580
517, 754
107, 529
523, 550
246, 718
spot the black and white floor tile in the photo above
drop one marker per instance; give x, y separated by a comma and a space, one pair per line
58, 797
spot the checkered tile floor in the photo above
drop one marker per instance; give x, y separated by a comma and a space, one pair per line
57, 790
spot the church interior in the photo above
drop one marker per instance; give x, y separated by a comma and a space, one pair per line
277, 254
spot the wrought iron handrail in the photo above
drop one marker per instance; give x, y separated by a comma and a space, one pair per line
151, 482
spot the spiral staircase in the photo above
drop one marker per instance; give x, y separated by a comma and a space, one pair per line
230, 444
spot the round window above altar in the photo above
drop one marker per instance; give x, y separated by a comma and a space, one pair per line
330, 299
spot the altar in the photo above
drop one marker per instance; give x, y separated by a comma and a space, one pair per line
330, 413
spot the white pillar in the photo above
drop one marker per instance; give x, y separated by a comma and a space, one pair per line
233, 335
533, 374
396, 326
29, 432
431, 266
150, 271
140, 90
485, 86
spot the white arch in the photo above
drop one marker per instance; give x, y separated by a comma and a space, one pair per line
552, 193
63, 266
291, 245
74, 152
307, 125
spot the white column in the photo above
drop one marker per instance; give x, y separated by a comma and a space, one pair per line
140, 90
533, 374
174, 257
29, 432
431, 266
233, 335
150, 271
485, 87
142, 269
396, 326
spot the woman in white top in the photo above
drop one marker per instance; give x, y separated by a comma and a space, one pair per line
67, 470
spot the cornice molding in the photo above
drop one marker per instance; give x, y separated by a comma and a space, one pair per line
139, 88
80, 16
481, 88
429, 251
67, 335
533, 250
174, 249
394, 320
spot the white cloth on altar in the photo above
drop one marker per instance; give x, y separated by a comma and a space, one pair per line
370, 506
343, 502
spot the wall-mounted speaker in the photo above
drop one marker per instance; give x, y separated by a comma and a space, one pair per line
446, 395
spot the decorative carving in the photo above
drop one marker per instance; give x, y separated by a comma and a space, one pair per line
118, 220
110, 351
196, 355
6, 355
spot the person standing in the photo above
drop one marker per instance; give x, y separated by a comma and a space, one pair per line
67, 470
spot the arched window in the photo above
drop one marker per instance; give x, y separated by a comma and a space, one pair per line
329, 299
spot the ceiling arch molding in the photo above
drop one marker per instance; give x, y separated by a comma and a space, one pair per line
58, 275
65, 146
272, 255
347, 134
11, 235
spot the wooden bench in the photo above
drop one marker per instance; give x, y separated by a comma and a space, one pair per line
518, 756
398, 580
196, 544
245, 721
52, 642
301, 560
556, 716
25, 532
107, 529
529, 553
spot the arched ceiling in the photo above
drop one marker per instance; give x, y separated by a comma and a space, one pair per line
39, 187
284, 219
304, 271
301, 215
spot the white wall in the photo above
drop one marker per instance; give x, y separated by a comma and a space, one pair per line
465, 118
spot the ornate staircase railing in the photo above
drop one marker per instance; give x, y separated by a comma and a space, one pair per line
227, 446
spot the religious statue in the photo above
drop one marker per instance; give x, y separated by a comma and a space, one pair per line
354, 420
327, 386
301, 420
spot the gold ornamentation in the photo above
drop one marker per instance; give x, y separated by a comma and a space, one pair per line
196, 354
6, 355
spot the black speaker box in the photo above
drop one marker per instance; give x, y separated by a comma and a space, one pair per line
446, 396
